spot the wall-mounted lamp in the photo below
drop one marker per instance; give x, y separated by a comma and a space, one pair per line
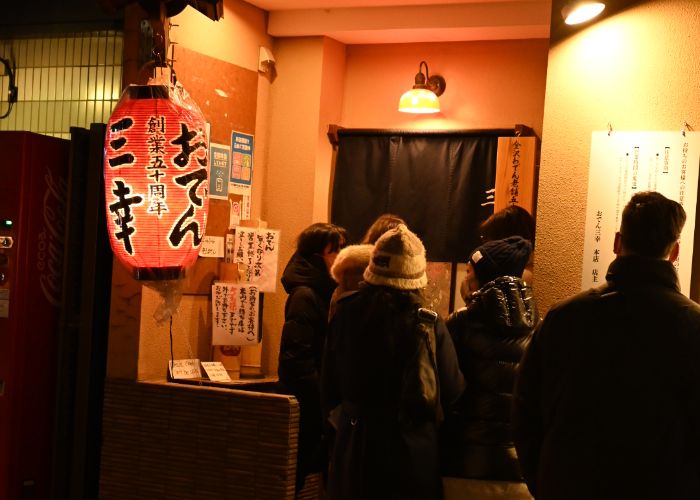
577, 12
423, 97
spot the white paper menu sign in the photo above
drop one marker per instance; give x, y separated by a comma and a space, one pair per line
234, 312
257, 250
212, 246
216, 371
623, 164
184, 368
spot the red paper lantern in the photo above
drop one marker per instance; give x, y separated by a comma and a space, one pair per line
156, 181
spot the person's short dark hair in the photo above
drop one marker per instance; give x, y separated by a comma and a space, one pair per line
315, 238
651, 224
510, 221
380, 226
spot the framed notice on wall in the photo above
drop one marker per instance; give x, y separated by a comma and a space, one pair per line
625, 163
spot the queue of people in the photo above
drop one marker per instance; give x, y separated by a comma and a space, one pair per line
597, 400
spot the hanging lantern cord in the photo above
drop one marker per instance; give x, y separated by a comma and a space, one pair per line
171, 61
172, 358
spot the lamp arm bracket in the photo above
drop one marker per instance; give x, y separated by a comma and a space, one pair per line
437, 84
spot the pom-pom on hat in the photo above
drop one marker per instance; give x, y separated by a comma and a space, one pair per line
506, 257
398, 261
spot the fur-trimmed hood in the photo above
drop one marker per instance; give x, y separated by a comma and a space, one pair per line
350, 264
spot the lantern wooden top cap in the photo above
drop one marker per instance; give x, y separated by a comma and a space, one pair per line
148, 92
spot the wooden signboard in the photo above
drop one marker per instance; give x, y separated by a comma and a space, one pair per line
515, 173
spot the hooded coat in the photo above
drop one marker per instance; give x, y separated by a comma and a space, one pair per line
378, 454
348, 269
310, 286
490, 337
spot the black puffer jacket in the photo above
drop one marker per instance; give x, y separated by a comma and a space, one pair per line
490, 337
310, 286
608, 394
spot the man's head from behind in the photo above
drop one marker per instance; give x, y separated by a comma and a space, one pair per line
651, 226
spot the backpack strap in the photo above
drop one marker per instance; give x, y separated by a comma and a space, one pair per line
427, 319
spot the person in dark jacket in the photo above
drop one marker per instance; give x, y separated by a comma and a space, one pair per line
512, 220
490, 336
308, 282
385, 447
352, 260
607, 401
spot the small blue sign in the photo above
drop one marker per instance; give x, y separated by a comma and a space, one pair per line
220, 161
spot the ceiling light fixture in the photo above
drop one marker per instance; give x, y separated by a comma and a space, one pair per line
423, 97
577, 12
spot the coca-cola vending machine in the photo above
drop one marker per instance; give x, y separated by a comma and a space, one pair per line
55, 282
33, 194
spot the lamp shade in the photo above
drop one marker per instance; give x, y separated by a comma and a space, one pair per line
419, 101
156, 181
580, 11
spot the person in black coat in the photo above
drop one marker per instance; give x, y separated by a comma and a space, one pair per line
308, 282
490, 336
385, 446
608, 394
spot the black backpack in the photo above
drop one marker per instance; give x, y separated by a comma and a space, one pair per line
420, 388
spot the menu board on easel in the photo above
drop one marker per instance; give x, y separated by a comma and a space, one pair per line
623, 164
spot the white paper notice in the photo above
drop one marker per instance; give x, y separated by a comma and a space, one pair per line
623, 164
234, 218
212, 246
257, 250
216, 371
184, 368
234, 314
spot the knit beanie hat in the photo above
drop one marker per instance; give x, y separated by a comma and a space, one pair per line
398, 261
506, 257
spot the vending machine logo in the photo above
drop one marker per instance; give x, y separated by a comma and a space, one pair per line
50, 245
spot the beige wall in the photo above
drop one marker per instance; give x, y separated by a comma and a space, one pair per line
322, 82
235, 38
305, 93
490, 84
637, 70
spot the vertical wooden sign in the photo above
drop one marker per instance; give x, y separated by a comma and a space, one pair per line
515, 173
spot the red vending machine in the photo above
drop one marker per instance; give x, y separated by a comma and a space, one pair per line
33, 194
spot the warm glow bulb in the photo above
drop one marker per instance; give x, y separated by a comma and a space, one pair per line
419, 101
580, 12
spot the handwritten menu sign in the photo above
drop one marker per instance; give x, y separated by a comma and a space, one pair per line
257, 250
234, 311
212, 246
216, 371
184, 368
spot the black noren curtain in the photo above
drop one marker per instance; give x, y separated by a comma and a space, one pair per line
440, 183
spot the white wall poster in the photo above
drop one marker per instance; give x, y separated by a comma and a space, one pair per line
234, 314
257, 250
623, 164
